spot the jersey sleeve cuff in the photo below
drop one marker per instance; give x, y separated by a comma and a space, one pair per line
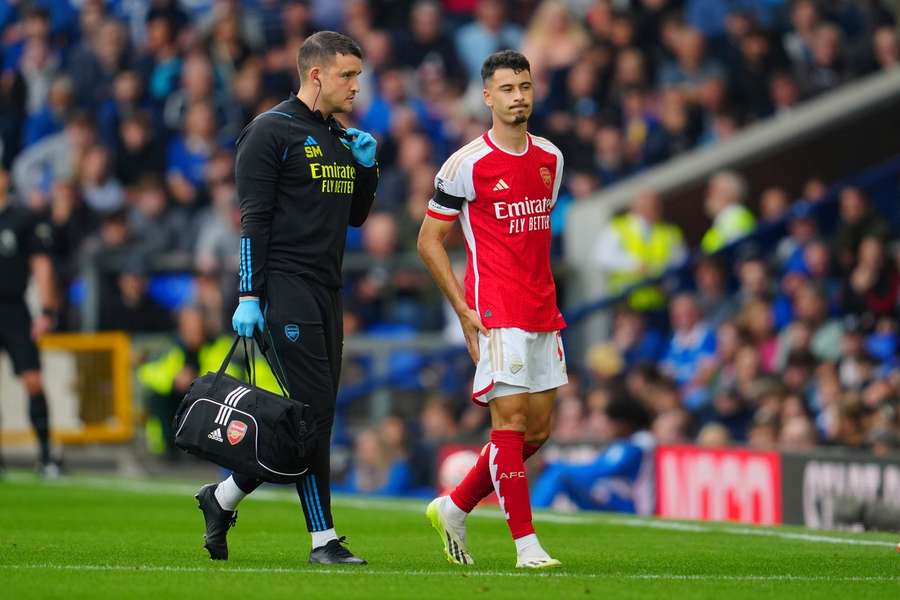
440, 211
440, 215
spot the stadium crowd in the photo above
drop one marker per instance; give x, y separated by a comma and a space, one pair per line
118, 122
801, 351
119, 119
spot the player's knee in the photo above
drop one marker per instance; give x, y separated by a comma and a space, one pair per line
32, 382
538, 429
537, 437
517, 421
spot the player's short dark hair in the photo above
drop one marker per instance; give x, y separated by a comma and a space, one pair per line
505, 59
321, 48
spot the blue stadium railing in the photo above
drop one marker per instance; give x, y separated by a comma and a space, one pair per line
880, 184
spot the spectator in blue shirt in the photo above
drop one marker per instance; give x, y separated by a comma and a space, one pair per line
802, 229
378, 470
691, 355
127, 91
51, 159
489, 33
188, 154
51, 118
710, 16
198, 84
618, 479
97, 62
160, 66
692, 67
35, 31
635, 341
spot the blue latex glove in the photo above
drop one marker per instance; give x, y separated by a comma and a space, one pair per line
248, 317
363, 147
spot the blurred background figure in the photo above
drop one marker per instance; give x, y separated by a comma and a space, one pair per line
724, 205
618, 479
636, 246
381, 465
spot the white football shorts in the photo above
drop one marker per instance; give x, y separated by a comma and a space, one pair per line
513, 361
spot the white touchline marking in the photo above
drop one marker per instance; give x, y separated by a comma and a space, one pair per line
405, 505
461, 573
799, 578
810, 537
786, 535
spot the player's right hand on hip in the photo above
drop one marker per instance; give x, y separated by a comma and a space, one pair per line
248, 317
472, 326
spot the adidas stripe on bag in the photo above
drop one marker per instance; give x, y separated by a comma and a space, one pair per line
230, 402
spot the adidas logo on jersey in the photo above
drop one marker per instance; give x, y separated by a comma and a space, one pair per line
310, 141
501, 185
215, 434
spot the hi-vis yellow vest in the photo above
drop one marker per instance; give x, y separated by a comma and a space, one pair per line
655, 251
159, 375
735, 223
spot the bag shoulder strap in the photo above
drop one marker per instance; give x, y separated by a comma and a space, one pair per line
279, 375
250, 358
226, 361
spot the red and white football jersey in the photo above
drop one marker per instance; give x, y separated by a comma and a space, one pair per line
503, 202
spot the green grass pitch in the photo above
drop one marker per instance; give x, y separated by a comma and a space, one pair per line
108, 538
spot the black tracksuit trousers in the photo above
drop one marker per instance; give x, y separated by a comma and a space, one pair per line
304, 322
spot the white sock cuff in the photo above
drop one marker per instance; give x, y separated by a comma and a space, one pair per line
528, 546
228, 494
453, 511
320, 538
526, 541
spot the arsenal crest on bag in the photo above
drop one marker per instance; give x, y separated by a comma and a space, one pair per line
244, 428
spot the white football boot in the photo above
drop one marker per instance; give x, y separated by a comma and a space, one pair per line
452, 533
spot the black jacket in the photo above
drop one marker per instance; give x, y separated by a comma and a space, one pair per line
22, 235
299, 187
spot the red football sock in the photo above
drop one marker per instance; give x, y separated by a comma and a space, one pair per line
528, 450
510, 482
477, 484
469, 492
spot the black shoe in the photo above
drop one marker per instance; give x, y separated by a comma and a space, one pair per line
218, 522
334, 553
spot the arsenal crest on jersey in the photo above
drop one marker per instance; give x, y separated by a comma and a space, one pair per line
545, 175
235, 432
